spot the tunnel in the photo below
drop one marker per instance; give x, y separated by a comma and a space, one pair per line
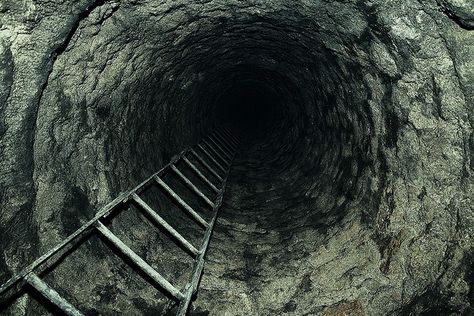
351, 191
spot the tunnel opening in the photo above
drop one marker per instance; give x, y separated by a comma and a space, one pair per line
250, 108
256, 101
302, 167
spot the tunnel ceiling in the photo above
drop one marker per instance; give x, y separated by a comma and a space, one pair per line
353, 190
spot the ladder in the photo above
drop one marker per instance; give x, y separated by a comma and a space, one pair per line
215, 154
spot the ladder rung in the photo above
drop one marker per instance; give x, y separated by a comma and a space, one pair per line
227, 137
206, 165
145, 267
231, 148
200, 175
229, 134
181, 202
192, 186
211, 158
160, 221
224, 141
51, 295
222, 148
217, 150
212, 149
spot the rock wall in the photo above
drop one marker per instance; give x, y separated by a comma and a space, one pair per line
356, 196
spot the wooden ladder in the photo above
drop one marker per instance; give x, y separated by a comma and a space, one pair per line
215, 154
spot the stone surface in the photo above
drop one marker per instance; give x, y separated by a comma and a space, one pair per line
355, 196
461, 11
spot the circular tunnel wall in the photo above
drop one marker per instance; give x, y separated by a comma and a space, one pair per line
352, 188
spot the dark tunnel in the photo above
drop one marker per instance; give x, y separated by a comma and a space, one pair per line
250, 107
351, 192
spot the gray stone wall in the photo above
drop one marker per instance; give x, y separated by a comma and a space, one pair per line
358, 199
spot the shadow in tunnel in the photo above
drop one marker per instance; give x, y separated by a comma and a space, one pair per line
251, 109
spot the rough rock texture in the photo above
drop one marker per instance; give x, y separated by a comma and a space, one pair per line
461, 11
353, 190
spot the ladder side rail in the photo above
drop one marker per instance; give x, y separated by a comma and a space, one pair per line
192, 286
